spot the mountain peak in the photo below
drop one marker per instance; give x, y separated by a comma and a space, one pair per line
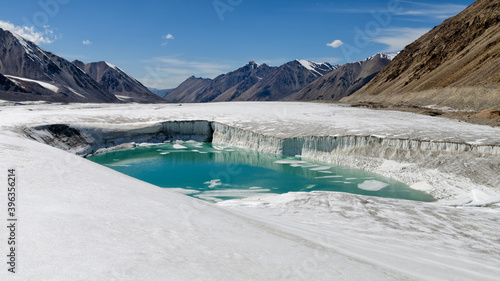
27, 45
307, 64
112, 65
117, 82
389, 56
252, 65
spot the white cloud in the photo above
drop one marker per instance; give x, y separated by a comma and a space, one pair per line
335, 44
398, 38
167, 37
438, 11
29, 33
87, 42
406, 10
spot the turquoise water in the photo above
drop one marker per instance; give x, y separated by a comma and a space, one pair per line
216, 173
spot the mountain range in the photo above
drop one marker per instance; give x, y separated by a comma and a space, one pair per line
456, 64
285, 80
27, 72
252, 82
225, 87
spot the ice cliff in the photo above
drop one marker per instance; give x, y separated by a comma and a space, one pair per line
407, 160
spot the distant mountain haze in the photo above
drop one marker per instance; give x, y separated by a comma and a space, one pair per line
160, 92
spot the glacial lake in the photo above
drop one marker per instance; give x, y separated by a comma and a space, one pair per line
216, 173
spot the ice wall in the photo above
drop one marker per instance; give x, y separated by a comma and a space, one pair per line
364, 145
443, 168
84, 140
434, 165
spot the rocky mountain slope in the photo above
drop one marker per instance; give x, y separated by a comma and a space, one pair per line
189, 90
117, 82
456, 64
224, 87
344, 80
31, 73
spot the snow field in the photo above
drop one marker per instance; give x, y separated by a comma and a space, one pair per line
82, 221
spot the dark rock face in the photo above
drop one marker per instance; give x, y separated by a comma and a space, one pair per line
344, 80
20, 58
117, 82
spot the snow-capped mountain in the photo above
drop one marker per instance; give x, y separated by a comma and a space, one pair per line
456, 64
344, 80
251, 82
318, 68
41, 75
117, 82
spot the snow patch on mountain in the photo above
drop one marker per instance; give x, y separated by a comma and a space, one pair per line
121, 71
317, 68
123, 98
111, 65
29, 50
389, 56
23, 42
307, 64
76, 93
46, 85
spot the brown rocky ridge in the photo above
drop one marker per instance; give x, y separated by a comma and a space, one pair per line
456, 64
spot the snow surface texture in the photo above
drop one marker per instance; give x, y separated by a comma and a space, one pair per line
82, 221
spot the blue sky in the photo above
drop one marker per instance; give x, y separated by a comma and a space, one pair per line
161, 43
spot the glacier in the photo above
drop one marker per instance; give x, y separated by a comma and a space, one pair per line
123, 228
